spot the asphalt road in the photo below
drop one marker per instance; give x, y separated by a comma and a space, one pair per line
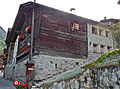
6, 84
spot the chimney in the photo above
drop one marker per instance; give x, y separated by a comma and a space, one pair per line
104, 18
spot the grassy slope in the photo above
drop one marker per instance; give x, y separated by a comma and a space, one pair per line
105, 57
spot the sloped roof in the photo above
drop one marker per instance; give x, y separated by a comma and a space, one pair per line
20, 18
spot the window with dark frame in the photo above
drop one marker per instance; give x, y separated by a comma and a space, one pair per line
75, 26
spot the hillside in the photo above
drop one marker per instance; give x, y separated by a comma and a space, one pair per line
2, 40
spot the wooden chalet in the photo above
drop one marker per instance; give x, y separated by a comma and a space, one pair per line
56, 33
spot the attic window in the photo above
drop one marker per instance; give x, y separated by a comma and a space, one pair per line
75, 26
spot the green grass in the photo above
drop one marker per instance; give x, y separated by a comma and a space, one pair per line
101, 60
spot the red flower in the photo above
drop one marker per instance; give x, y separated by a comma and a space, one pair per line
25, 84
21, 86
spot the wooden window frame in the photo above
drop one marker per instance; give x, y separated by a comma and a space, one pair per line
75, 26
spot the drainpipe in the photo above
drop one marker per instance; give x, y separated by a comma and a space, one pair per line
30, 62
32, 31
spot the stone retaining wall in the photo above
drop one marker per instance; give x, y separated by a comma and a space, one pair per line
106, 78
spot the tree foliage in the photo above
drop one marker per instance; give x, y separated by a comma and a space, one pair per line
115, 31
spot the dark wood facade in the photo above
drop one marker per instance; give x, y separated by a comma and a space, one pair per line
56, 33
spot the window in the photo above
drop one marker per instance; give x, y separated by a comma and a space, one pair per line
51, 62
85, 79
75, 26
94, 30
56, 66
108, 48
95, 48
102, 48
77, 63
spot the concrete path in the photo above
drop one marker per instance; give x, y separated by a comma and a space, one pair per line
6, 84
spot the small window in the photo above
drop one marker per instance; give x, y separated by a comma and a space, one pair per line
90, 43
109, 48
51, 62
77, 63
102, 48
56, 66
85, 79
95, 48
75, 26
94, 30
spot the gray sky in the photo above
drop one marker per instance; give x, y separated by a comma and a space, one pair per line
92, 9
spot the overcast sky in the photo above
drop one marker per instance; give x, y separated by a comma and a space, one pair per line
91, 9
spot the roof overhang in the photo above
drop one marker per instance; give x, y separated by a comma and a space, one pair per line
18, 23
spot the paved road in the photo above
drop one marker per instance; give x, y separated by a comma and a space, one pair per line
6, 84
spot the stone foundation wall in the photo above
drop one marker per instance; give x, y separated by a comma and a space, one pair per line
45, 67
48, 66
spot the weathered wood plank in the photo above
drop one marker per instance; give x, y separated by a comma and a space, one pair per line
71, 46
81, 37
